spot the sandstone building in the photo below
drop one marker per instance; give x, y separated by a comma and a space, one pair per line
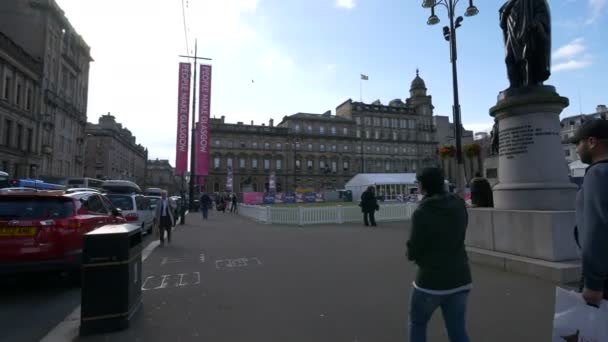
111, 152
323, 151
56, 87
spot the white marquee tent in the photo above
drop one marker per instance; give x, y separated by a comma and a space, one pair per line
392, 185
577, 168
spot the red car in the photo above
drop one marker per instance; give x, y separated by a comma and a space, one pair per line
43, 230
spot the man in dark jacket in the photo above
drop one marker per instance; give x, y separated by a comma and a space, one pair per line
369, 205
436, 245
481, 192
592, 209
205, 204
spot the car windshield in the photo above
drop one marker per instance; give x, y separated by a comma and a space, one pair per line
12, 208
121, 201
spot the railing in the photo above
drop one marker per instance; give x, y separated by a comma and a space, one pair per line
319, 215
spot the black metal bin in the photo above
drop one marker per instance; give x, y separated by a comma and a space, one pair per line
111, 278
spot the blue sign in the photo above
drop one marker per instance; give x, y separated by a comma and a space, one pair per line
268, 198
310, 197
290, 197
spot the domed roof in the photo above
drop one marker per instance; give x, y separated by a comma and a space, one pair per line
418, 83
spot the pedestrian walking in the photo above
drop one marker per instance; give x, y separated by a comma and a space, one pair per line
164, 217
436, 245
221, 206
205, 204
591, 231
369, 206
233, 207
481, 192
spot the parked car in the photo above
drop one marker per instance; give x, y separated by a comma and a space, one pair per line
73, 190
120, 187
17, 189
153, 192
43, 230
136, 209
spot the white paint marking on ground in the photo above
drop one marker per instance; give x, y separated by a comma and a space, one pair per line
163, 284
181, 280
143, 287
169, 260
67, 330
236, 263
202, 257
198, 281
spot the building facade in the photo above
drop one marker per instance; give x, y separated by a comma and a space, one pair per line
569, 126
19, 110
160, 174
323, 151
111, 152
41, 28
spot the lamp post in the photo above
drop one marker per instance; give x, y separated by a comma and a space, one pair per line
449, 33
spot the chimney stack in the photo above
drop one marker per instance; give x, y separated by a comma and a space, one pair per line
271, 123
601, 109
223, 118
251, 122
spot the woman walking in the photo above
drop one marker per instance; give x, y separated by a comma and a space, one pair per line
369, 205
436, 245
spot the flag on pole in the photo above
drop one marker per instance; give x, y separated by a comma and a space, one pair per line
364, 77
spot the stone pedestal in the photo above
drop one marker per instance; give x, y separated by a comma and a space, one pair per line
530, 228
535, 243
532, 170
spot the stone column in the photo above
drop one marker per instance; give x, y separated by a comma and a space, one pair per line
532, 174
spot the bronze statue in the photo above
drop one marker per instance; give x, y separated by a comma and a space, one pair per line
526, 26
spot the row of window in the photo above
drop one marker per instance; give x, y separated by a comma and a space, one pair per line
323, 165
16, 89
320, 147
17, 136
386, 122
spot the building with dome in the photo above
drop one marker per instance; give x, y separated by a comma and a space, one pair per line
324, 151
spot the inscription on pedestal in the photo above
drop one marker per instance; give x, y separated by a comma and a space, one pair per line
516, 140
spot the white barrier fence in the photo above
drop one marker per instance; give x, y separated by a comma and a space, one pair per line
317, 215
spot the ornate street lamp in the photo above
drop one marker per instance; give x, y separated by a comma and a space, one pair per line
449, 33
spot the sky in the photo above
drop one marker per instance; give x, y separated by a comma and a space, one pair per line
273, 58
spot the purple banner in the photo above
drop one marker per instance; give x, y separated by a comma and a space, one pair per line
272, 183
183, 113
204, 110
229, 179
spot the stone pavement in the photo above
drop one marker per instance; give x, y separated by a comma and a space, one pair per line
231, 279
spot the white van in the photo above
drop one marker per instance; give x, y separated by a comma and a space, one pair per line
136, 209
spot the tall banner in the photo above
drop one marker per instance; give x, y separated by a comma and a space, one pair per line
229, 179
183, 114
202, 148
272, 183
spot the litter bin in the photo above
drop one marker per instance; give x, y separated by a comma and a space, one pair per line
111, 278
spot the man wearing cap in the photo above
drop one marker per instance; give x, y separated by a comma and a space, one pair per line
591, 141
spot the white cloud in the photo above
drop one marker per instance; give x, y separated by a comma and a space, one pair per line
571, 57
348, 4
574, 64
596, 8
571, 49
331, 67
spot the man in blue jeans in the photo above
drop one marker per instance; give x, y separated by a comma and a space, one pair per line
436, 245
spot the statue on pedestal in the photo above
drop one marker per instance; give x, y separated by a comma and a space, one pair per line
526, 26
